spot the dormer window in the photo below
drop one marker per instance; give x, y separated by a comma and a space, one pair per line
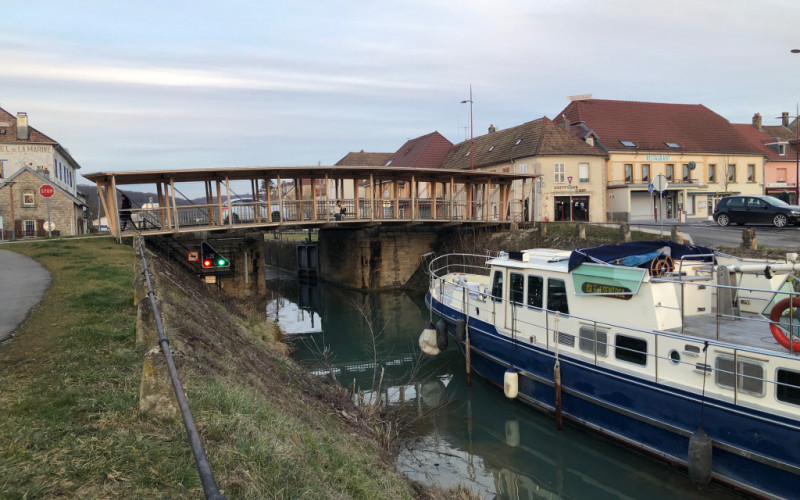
628, 144
388, 163
467, 154
518, 141
673, 145
590, 140
491, 149
782, 149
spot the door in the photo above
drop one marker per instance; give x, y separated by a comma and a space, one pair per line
516, 301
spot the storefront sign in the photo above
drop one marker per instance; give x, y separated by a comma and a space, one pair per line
657, 157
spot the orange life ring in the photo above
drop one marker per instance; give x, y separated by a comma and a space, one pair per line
775, 316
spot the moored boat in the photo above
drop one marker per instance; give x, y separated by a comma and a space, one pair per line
672, 349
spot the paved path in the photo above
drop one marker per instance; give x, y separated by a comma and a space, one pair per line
23, 282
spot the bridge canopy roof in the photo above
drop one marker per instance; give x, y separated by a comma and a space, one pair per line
298, 172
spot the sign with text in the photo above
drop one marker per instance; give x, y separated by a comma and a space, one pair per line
47, 190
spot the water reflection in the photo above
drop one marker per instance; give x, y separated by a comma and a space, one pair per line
472, 436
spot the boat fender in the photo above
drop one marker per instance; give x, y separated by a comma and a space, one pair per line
775, 317
441, 335
700, 451
427, 340
461, 330
512, 433
511, 384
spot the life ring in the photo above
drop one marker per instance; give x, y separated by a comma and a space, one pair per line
661, 266
775, 316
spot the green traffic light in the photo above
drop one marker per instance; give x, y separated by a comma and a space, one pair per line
221, 262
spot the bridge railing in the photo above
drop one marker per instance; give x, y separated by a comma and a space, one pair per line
248, 212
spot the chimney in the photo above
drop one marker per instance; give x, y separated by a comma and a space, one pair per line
565, 122
491, 128
22, 126
757, 121
785, 119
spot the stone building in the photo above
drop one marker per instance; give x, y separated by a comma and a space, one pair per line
28, 160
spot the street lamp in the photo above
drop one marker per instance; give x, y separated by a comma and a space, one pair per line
797, 146
471, 156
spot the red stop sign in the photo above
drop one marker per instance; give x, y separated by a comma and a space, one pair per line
46, 190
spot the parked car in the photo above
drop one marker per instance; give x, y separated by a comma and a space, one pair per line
755, 210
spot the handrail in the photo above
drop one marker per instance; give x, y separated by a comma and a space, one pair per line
200, 458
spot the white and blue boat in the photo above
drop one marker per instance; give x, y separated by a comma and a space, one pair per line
672, 349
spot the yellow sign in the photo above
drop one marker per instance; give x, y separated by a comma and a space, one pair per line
606, 290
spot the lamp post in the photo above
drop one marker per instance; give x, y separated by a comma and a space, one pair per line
471, 159
797, 147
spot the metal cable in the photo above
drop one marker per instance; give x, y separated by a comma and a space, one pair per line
200, 458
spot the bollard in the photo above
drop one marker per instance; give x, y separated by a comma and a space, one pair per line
675, 235
625, 232
580, 231
749, 239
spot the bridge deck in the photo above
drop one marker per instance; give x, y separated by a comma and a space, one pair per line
300, 197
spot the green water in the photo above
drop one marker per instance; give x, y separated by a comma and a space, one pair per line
461, 435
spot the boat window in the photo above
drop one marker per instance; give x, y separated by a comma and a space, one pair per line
557, 296
749, 375
788, 386
587, 341
497, 286
517, 288
535, 291
631, 349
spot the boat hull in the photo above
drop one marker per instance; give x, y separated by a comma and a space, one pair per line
752, 450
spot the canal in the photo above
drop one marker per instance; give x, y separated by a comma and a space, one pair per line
469, 435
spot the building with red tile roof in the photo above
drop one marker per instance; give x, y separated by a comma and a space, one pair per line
701, 155
779, 145
548, 150
29, 159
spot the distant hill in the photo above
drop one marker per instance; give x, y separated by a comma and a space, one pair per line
138, 198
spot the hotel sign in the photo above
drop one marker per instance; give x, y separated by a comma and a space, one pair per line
657, 157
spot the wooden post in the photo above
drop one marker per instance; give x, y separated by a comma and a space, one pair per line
280, 200
395, 198
209, 211
219, 201
268, 196
371, 197
325, 197
174, 205
413, 198
115, 218
452, 197
434, 185
228, 197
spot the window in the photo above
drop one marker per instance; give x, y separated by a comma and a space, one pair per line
587, 341
788, 386
628, 173
782, 149
673, 145
583, 172
687, 174
749, 375
751, 173
645, 173
497, 286
628, 144
535, 291
491, 148
712, 173
731, 173
559, 173
518, 141
28, 198
517, 288
670, 172
30, 227
557, 296
630, 349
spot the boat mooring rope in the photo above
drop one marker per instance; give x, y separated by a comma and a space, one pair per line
557, 378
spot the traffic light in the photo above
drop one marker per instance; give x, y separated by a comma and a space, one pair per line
210, 258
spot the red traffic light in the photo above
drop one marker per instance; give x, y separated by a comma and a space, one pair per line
208, 263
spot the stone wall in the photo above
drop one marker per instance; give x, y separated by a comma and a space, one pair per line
372, 259
64, 214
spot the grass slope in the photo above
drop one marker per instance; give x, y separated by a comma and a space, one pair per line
69, 382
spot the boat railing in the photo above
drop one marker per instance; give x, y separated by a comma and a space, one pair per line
462, 263
653, 354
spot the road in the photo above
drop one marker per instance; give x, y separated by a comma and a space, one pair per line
711, 235
23, 282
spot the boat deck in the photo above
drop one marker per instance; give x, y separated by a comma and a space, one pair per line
749, 330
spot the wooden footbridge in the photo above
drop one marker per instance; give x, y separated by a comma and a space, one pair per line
306, 197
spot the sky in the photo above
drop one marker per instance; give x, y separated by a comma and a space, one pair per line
174, 84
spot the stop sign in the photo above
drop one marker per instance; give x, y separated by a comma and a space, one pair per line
46, 190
